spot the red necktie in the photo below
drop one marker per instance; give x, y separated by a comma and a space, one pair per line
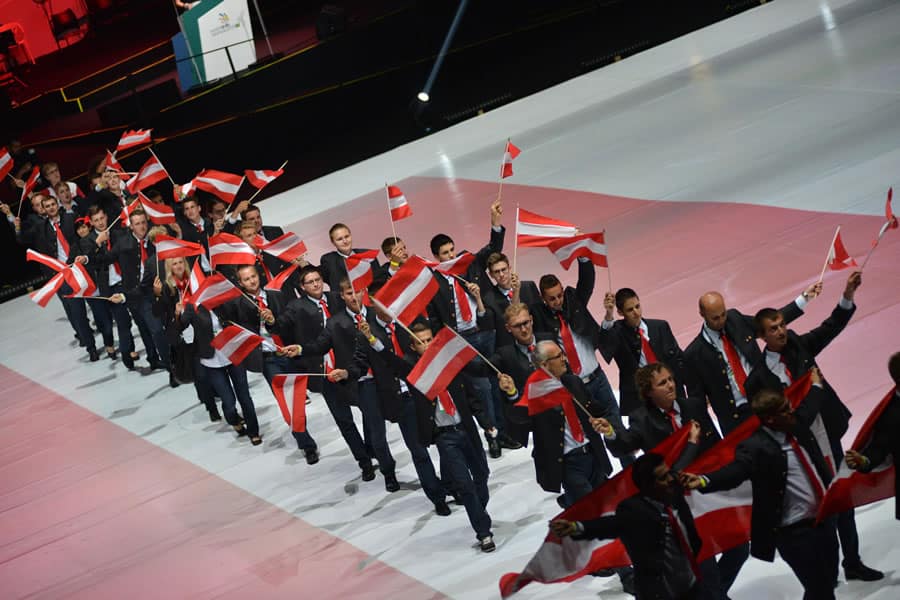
115, 264
324, 306
180, 284
808, 468
645, 347
509, 295
261, 303
394, 341
447, 403
672, 414
735, 361
199, 227
143, 244
531, 347
462, 300
328, 358
259, 259
568, 406
683, 542
569, 345
786, 370
61, 238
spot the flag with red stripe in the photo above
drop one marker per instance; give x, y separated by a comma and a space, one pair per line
48, 261
169, 247
397, 204
359, 269
214, 291
542, 392
838, 257
152, 172
277, 282
228, 249
509, 154
534, 230
455, 266
286, 247
445, 357
589, 245
290, 391
133, 138
260, 178
42, 296
196, 280
30, 183
218, 183
159, 213
853, 488
180, 192
407, 294
6, 162
80, 281
236, 343
127, 209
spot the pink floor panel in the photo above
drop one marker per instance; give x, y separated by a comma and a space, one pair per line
90, 510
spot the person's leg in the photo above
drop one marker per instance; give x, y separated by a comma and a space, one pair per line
277, 365
811, 552
157, 332
602, 394
578, 469
123, 327
221, 385
432, 487
343, 418
453, 464
478, 467
238, 376
730, 563
374, 425
134, 302
204, 389
101, 310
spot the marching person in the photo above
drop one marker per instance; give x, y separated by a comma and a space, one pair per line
332, 264
506, 290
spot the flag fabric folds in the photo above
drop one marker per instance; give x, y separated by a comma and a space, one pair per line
589, 245
169, 247
152, 172
6, 162
408, 292
359, 269
214, 291
260, 178
133, 138
236, 343
42, 296
397, 204
228, 249
455, 266
277, 282
509, 155
838, 257
534, 230
159, 213
290, 393
445, 357
287, 247
218, 183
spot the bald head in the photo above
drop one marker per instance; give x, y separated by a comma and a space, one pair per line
713, 311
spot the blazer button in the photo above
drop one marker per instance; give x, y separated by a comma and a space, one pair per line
735, 415
563, 429
723, 372
559, 459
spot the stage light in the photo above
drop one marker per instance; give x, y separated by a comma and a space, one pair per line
423, 97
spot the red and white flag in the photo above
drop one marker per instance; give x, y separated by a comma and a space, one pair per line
159, 213
80, 281
838, 257
30, 183
722, 518
169, 247
359, 269
455, 266
852, 488
228, 249
218, 183
286, 247
261, 178
290, 391
43, 295
133, 138
397, 204
152, 172
180, 192
445, 357
214, 291
48, 261
127, 209
589, 245
277, 282
197, 278
236, 343
509, 155
533, 230
890, 220
6, 162
543, 392
407, 294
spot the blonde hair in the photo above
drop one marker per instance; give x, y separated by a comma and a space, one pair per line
170, 278
155, 231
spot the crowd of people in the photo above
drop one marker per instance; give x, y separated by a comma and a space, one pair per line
317, 323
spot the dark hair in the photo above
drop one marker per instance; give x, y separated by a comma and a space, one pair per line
894, 367
388, 244
495, 257
441, 239
250, 209
93, 164
94, 209
767, 402
152, 194
767, 314
642, 470
307, 270
624, 295
643, 377
138, 212
418, 326
548, 281
242, 267
190, 199
334, 228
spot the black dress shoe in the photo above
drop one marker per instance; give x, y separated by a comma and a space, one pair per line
256, 440
93, 355
493, 446
441, 508
862, 573
173, 383
240, 430
312, 456
487, 544
112, 355
156, 365
507, 442
368, 471
390, 483
214, 415
128, 361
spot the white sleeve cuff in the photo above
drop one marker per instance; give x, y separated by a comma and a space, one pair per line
801, 302
845, 304
607, 324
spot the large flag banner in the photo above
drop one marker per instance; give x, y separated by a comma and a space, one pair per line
445, 357
48, 261
852, 488
397, 204
218, 183
290, 391
534, 230
509, 155
236, 343
228, 249
589, 245
130, 139
407, 294
169, 247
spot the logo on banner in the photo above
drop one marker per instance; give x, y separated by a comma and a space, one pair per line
225, 25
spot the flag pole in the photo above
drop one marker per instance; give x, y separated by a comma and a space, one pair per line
390, 216
228, 210
884, 229
113, 223
489, 363
150, 148
830, 251
516, 240
505, 150
608, 270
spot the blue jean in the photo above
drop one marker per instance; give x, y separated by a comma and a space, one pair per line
76, 313
105, 312
409, 429
202, 385
276, 365
581, 475
466, 469
373, 425
602, 394
222, 379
